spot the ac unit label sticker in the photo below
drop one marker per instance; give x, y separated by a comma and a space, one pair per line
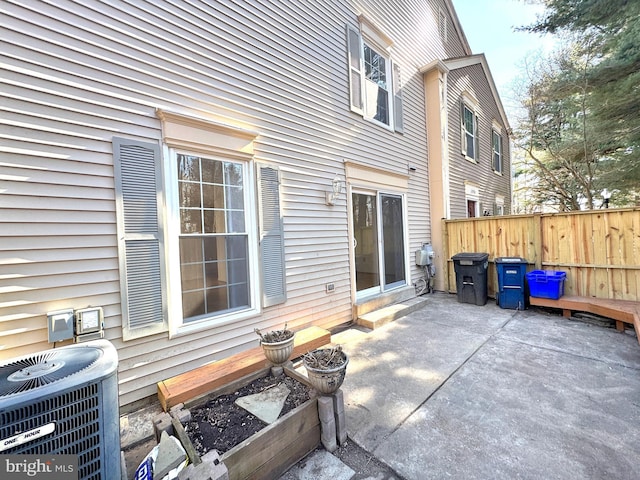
25, 437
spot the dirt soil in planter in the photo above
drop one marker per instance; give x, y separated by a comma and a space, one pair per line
220, 424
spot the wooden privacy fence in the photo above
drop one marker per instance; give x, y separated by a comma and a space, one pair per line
598, 249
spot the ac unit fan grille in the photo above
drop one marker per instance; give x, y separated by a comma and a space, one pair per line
76, 415
44, 368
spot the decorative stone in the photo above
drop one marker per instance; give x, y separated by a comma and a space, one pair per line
170, 455
266, 405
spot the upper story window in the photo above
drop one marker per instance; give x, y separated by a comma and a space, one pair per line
469, 123
376, 90
496, 141
375, 82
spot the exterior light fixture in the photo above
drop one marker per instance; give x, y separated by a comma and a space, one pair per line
332, 196
606, 196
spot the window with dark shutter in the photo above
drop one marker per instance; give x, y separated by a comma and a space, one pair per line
140, 244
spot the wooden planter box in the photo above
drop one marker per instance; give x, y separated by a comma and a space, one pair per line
275, 448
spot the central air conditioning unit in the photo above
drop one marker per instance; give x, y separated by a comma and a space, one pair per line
64, 402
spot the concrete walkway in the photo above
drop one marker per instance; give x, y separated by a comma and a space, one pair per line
477, 392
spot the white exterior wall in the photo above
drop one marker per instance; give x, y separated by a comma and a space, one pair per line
76, 74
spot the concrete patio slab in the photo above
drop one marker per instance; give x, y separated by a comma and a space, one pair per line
444, 309
391, 373
319, 464
495, 394
538, 328
462, 391
521, 411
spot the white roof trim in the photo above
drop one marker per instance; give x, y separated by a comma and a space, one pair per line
457, 26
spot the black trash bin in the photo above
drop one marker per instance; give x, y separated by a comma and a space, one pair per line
511, 274
471, 277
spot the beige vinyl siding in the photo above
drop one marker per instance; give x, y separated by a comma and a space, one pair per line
473, 79
79, 73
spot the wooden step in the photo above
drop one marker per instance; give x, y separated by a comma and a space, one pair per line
204, 379
622, 311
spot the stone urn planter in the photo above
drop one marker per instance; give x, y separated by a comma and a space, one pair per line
326, 369
277, 345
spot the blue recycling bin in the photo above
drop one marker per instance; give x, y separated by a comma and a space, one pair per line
511, 282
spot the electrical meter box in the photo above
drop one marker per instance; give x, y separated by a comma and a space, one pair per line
425, 255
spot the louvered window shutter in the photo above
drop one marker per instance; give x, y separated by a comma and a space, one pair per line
397, 99
138, 186
354, 54
463, 130
476, 138
271, 236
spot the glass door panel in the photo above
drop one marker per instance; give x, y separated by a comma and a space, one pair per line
365, 232
393, 240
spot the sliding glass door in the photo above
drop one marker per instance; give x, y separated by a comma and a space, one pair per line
378, 230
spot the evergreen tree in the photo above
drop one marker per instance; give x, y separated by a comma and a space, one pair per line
611, 28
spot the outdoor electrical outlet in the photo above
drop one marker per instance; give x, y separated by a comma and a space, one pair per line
330, 287
60, 325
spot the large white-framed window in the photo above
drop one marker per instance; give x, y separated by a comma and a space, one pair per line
214, 235
496, 142
375, 88
469, 128
211, 239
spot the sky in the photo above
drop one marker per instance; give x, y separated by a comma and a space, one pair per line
489, 27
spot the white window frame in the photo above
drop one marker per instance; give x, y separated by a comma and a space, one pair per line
471, 104
177, 324
495, 133
371, 89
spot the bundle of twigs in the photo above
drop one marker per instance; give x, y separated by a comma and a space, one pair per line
325, 359
275, 335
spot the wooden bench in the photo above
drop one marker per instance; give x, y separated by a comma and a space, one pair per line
622, 311
204, 379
